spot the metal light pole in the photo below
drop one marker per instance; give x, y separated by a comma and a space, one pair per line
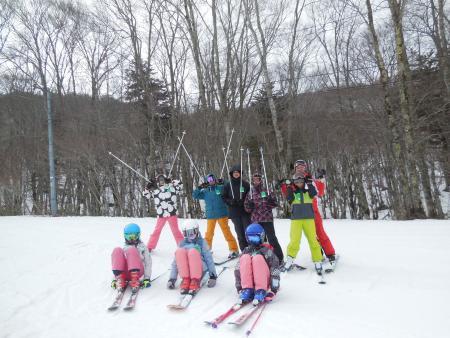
51, 158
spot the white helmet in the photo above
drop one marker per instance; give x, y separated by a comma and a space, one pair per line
190, 229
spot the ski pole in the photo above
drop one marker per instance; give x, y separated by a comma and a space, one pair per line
240, 184
228, 149
160, 275
190, 159
226, 163
264, 167
135, 171
249, 331
176, 153
249, 173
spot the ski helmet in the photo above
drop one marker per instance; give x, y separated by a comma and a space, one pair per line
211, 178
190, 229
254, 234
300, 162
132, 233
161, 179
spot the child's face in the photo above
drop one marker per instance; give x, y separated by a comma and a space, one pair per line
300, 169
256, 180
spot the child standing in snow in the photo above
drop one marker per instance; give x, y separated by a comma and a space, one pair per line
131, 264
234, 193
259, 203
216, 212
257, 273
301, 196
193, 259
301, 170
164, 193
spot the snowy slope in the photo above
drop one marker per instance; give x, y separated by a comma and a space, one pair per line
393, 280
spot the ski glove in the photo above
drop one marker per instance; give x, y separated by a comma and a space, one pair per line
171, 284
251, 204
202, 186
145, 283
146, 193
114, 284
308, 179
211, 283
151, 184
321, 173
269, 295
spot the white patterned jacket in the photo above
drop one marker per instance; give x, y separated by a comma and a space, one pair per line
165, 198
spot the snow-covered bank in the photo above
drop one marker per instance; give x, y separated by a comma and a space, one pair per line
392, 281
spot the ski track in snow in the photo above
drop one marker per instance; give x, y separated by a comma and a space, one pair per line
392, 281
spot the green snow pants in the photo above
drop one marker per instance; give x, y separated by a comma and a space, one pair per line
309, 227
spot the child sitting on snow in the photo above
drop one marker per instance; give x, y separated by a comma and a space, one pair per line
257, 273
193, 259
132, 264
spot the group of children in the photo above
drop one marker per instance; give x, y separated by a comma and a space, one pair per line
257, 272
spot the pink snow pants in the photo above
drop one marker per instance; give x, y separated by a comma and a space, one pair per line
126, 260
161, 221
189, 263
254, 272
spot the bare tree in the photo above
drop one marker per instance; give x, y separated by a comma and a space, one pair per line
264, 40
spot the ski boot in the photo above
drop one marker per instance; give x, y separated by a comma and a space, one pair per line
318, 267
119, 283
288, 264
134, 281
260, 295
246, 295
184, 286
194, 286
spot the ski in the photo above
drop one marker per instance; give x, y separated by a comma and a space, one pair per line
120, 294
183, 303
185, 300
236, 307
243, 318
132, 300
117, 300
224, 261
293, 267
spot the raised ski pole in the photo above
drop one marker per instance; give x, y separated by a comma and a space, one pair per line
264, 167
228, 170
240, 184
228, 149
176, 153
135, 171
190, 159
249, 173
249, 331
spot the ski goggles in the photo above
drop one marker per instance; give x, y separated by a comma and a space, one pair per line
211, 179
254, 239
299, 180
191, 233
257, 177
132, 236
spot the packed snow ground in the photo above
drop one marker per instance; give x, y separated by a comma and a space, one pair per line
392, 281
